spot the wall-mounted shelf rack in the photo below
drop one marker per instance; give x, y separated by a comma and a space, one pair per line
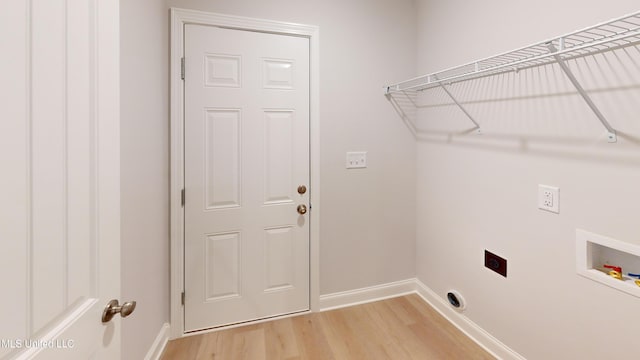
611, 35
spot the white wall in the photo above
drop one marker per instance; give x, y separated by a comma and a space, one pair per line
144, 171
479, 192
367, 220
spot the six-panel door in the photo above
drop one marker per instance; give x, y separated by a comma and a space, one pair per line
246, 154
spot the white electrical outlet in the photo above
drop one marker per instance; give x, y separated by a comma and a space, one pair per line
356, 159
549, 198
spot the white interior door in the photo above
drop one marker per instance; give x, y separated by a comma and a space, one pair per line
59, 154
246, 154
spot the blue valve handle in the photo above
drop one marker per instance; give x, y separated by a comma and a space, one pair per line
634, 275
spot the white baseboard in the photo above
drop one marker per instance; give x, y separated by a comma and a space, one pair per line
464, 324
156, 349
365, 295
415, 286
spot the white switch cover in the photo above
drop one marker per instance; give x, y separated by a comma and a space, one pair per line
549, 198
356, 159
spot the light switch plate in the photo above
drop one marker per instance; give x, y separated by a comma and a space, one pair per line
356, 159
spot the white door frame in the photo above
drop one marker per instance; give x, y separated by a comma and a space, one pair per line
180, 17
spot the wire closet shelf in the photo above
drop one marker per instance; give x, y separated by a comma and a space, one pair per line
608, 36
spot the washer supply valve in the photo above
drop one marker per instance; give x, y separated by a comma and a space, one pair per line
637, 281
616, 271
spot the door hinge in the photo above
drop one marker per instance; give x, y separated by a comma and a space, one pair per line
182, 68
182, 197
182, 298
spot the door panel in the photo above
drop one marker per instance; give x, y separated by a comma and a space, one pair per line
60, 185
222, 156
246, 152
278, 156
222, 266
280, 268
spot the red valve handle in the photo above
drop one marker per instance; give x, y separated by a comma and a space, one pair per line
616, 268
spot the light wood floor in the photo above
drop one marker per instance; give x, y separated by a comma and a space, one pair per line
398, 329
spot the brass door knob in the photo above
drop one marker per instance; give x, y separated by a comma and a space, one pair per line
302, 209
113, 308
302, 189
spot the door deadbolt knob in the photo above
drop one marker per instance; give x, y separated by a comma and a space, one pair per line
302, 189
113, 308
302, 209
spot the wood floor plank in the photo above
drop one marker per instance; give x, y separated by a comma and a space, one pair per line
343, 342
376, 339
395, 335
249, 344
401, 328
450, 342
213, 346
280, 340
400, 332
185, 348
311, 339
401, 309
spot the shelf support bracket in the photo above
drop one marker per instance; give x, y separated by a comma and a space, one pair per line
611, 132
459, 105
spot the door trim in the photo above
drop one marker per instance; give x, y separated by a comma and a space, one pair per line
180, 17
